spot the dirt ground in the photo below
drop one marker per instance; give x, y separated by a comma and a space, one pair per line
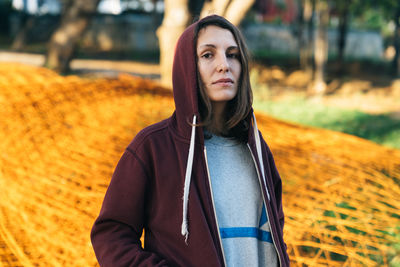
89, 67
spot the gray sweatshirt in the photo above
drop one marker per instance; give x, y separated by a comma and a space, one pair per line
240, 210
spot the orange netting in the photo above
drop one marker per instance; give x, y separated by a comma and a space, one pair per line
61, 138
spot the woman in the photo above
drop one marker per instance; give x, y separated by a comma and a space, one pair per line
211, 153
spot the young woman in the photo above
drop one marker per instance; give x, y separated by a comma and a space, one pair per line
202, 184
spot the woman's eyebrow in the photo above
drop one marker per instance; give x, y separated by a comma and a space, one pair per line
207, 45
213, 46
234, 47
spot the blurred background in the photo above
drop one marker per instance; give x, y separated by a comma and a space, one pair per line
333, 56
78, 80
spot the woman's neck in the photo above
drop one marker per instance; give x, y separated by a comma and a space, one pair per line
217, 125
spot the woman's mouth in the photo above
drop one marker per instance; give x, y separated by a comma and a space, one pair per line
224, 81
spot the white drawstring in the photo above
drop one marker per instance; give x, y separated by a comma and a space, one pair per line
188, 175
259, 153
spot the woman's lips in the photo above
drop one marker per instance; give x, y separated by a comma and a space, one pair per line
223, 81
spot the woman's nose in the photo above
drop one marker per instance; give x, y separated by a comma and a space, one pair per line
222, 64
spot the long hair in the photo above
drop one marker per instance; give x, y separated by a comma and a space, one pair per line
239, 107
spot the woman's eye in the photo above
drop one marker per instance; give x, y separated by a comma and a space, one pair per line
207, 55
232, 55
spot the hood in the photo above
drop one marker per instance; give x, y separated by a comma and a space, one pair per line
185, 84
184, 81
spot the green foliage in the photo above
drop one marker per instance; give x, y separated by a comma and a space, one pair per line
371, 19
394, 254
382, 129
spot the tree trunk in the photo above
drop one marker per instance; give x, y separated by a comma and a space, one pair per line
343, 29
311, 33
176, 16
306, 35
396, 60
301, 32
237, 10
26, 25
64, 41
321, 48
220, 6
217, 7
232, 10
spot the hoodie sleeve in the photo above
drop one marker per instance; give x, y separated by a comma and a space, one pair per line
116, 232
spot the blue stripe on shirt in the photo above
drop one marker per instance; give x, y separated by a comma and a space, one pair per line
264, 217
233, 232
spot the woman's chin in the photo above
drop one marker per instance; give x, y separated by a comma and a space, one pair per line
223, 95
222, 98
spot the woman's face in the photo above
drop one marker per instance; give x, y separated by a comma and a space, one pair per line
218, 63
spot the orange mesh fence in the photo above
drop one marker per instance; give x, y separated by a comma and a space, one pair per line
341, 196
61, 138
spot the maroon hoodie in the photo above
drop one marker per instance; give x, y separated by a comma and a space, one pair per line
146, 189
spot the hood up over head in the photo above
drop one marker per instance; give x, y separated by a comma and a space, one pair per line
184, 81
186, 94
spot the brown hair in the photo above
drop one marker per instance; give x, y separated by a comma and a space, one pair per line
239, 107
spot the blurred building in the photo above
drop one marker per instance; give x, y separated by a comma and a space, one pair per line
115, 7
37, 7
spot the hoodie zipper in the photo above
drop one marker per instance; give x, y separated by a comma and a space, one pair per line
266, 206
212, 200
